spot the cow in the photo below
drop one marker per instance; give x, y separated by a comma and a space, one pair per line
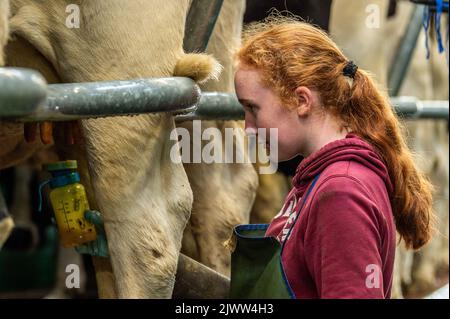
369, 37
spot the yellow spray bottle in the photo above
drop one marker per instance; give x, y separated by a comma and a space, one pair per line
69, 202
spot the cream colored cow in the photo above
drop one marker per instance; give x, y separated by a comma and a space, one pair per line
354, 26
145, 198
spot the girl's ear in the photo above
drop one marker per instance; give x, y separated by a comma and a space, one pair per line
305, 99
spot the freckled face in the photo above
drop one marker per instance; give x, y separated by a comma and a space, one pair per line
263, 109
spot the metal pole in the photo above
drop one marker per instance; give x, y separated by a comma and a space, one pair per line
25, 97
21, 91
402, 58
64, 102
197, 281
225, 106
215, 106
412, 108
200, 22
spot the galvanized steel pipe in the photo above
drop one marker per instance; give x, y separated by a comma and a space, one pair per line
26, 99
402, 58
413, 108
215, 106
200, 22
225, 106
21, 91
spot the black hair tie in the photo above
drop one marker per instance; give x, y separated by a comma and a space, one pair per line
350, 69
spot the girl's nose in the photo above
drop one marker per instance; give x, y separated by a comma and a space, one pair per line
250, 127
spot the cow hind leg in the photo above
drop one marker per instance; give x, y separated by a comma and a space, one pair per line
145, 200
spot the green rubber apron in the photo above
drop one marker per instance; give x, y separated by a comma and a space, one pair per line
256, 268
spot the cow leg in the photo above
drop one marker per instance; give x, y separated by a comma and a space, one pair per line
431, 262
21, 53
223, 193
133, 156
103, 270
272, 190
133, 258
430, 137
223, 197
144, 195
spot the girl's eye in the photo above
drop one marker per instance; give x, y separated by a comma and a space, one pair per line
251, 108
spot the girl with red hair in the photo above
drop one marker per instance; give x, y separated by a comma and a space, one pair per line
358, 184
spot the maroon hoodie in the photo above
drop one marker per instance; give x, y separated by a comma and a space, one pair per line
342, 244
